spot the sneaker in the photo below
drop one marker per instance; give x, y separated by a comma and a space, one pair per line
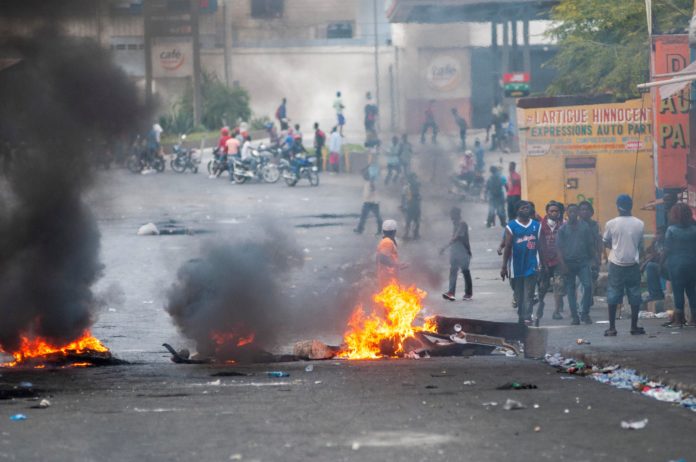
556, 316
638, 331
575, 321
467, 297
448, 296
585, 318
610, 332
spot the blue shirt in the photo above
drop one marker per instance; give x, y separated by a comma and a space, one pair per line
525, 256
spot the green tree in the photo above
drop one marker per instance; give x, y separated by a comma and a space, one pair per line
603, 44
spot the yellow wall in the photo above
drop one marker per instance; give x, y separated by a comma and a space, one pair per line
624, 162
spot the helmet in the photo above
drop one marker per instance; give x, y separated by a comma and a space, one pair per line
389, 225
225, 131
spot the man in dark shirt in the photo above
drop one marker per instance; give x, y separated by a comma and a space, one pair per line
577, 247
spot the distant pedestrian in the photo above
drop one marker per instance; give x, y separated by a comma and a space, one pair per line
405, 154
393, 162
335, 146
460, 256
388, 265
370, 204
576, 245
521, 259
411, 205
496, 198
282, 115
652, 266
624, 236
479, 154
462, 125
514, 190
680, 256
319, 143
371, 113
429, 122
339, 107
586, 213
550, 276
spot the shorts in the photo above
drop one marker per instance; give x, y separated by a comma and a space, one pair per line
623, 280
341, 119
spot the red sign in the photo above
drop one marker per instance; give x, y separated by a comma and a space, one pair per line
516, 77
671, 54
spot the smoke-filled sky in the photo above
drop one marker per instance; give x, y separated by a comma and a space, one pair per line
62, 96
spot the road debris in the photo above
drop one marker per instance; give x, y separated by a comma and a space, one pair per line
517, 386
511, 405
309, 368
582, 341
149, 229
277, 374
634, 425
18, 417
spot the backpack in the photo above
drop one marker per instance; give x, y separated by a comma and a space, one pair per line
321, 137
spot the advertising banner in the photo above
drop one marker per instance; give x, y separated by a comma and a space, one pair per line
617, 128
671, 54
172, 59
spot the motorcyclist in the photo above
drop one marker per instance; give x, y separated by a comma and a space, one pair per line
273, 135
288, 145
248, 157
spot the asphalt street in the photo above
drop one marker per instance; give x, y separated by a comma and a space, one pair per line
410, 410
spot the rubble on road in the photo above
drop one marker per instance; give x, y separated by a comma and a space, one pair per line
624, 379
314, 349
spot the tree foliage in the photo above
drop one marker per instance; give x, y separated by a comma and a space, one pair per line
604, 46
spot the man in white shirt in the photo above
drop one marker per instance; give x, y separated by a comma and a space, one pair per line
624, 236
335, 145
338, 107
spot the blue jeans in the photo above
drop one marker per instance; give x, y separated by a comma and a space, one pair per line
496, 207
683, 278
652, 274
583, 273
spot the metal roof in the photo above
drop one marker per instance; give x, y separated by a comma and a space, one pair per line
446, 11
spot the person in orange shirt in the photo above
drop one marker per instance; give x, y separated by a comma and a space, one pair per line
388, 255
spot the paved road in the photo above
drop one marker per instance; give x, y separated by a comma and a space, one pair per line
376, 410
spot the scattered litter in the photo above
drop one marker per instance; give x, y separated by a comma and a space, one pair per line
566, 411
651, 315
536, 406
18, 417
412, 355
537, 429
582, 341
602, 322
309, 368
149, 229
229, 374
355, 446
276, 374
564, 377
317, 382
489, 403
112, 310
517, 386
469, 382
635, 425
44, 403
25, 384
236, 457
511, 405
216, 383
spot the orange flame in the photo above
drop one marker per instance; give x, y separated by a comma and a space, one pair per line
221, 338
366, 333
37, 347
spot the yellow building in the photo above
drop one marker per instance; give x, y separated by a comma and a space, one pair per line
588, 152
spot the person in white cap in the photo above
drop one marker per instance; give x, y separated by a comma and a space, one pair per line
387, 255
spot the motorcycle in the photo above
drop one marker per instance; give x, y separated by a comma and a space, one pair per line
260, 169
138, 159
218, 164
299, 167
185, 158
468, 186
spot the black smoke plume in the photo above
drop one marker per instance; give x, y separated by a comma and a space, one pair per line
233, 291
58, 98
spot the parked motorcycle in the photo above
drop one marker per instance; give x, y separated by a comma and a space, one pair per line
185, 158
259, 168
138, 159
299, 167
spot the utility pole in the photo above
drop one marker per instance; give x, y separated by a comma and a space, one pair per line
196, 78
374, 5
147, 36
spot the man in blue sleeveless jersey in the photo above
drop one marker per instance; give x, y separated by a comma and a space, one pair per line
521, 259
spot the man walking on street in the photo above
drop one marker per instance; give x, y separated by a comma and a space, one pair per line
521, 259
550, 277
496, 198
577, 252
338, 107
514, 190
370, 204
319, 142
624, 236
460, 256
429, 122
586, 212
282, 115
461, 123
371, 113
411, 204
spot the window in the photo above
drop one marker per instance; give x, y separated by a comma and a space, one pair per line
267, 9
339, 30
